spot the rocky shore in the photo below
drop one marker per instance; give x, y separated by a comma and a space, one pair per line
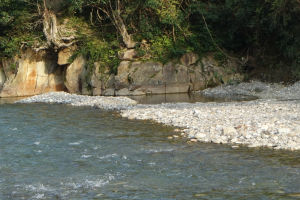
255, 89
107, 103
269, 123
264, 122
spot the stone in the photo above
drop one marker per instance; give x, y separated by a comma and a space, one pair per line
198, 80
229, 131
123, 92
145, 74
176, 78
284, 130
189, 59
73, 77
128, 54
64, 55
37, 73
100, 79
2, 78
121, 79
109, 92
200, 135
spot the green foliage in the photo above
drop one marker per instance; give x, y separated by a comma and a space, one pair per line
19, 25
94, 46
266, 30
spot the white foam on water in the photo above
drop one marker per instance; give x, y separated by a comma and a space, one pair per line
96, 183
96, 147
108, 156
37, 143
39, 196
152, 163
89, 183
159, 150
75, 143
86, 156
38, 188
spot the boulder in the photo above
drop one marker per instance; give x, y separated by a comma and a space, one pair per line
127, 92
2, 78
64, 55
121, 79
74, 73
145, 74
197, 77
176, 78
206, 73
109, 92
35, 73
128, 54
189, 59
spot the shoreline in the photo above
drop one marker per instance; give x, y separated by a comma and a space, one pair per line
260, 123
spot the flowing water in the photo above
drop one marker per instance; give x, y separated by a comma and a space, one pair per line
64, 152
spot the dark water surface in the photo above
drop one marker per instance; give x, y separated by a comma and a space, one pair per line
63, 152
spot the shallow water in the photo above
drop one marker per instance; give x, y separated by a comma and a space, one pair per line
65, 152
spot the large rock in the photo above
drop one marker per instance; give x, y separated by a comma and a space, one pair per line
121, 79
2, 78
35, 73
145, 73
208, 72
64, 55
138, 78
74, 75
189, 59
101, 79
176, 78
127, 54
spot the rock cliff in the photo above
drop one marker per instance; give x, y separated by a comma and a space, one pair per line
39, 72
30, 74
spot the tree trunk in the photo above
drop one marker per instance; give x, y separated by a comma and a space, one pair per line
120, 25
51, 30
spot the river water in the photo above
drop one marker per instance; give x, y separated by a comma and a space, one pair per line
64, 152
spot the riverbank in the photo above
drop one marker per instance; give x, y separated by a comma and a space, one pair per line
268, 123
107, 103
255, 89
264, 122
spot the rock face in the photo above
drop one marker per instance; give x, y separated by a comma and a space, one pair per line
74, 75
64, 55
2, 78
31, 74
35, 73
189, 74
128, 54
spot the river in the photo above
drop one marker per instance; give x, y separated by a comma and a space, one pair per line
62, 152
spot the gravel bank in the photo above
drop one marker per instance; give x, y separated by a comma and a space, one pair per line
256, 89
269, 123
257, 123
107, 103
